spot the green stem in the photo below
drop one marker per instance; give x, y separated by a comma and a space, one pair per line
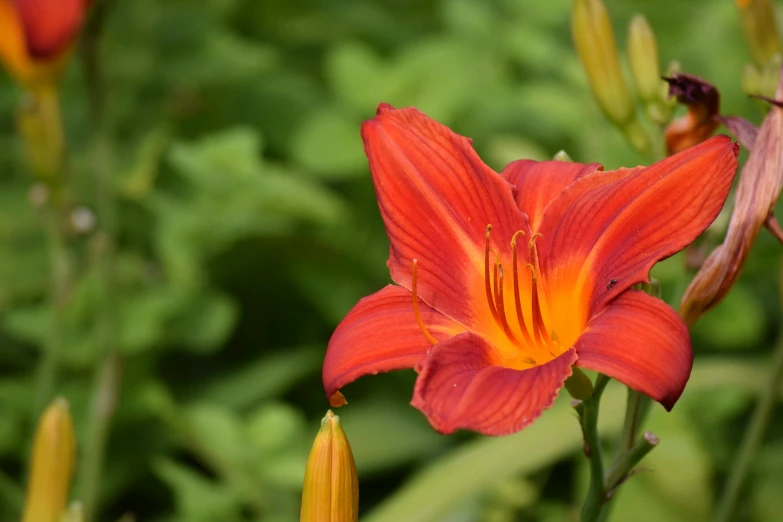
751, 440
596, 497
60, 281
625, 463
108, 374
636, 408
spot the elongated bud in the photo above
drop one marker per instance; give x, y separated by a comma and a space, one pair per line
646, 69
53, 459
643, 57
331, 487
761, 31
562, 156
595, 43
40, 130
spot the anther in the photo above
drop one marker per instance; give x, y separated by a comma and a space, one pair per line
416, 311
531, 244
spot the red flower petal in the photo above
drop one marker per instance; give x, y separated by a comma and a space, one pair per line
640, 341
606, 230
462, 386
538, 183
436, 198
380, 334
50, 25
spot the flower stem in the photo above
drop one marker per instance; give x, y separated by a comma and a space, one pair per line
625, 463
636, 408
60, 284
588, 413
108, 374
751, 440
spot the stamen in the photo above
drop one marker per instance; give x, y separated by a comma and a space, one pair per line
501, 307
416, 311
487, 280
497, 284
536, 310
517, 300
539, 329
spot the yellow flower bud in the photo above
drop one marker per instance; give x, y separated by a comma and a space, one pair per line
595, 44
53, 460
761, 31
331, 486
643, 57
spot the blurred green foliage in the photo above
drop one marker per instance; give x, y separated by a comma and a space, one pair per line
248, 228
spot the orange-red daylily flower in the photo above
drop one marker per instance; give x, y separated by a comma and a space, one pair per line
504, 282
36, 35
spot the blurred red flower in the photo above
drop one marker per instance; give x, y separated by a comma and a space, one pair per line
36, 35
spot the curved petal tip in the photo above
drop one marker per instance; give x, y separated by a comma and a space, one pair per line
337, 399
383, 107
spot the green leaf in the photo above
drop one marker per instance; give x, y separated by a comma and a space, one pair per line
375, 429
674, 481
360, 78
265, 378
737, 322
198, 498
329, 145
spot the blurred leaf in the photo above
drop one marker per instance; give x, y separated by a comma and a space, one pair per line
737, 322
208, 320
198, 498
329, 145
265, 378
767, 484
140, 179
217, 429
233, 195
360, 78
674, 480
387, 435
273, 426
470, 17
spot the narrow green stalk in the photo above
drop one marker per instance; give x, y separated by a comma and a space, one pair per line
596, 497
108, 374
104, 403
625, 463
752, 438
636, 408
47, 370
60, 288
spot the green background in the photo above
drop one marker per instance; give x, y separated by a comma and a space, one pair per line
248, 227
